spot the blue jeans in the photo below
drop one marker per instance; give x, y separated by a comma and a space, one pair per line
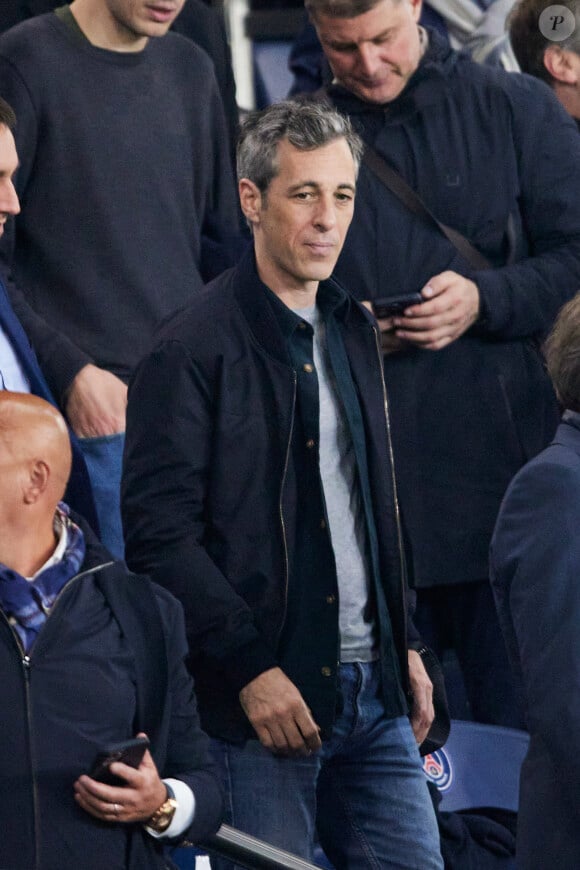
104, 458
364, 793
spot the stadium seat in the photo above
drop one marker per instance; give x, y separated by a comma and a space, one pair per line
478, 767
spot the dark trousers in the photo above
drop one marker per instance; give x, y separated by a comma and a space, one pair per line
462, 617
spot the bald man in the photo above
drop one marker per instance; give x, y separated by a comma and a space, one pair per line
90, 655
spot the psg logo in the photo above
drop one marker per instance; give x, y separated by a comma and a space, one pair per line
437, 767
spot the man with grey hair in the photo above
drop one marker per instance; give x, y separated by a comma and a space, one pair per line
259, 487
466, 199
544, 53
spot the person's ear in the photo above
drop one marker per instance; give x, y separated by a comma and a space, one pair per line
416, 7
562, 64
38, 476
250, 201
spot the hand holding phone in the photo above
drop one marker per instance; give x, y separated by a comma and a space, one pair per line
390, 306
129, 752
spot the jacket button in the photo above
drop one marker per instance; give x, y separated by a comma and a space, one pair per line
323, 524
326, 672
330, 599
308, 368
310, 443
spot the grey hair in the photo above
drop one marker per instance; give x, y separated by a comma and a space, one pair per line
340, 8
306, 125
7, 116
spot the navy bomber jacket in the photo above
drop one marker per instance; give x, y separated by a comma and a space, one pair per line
209, 492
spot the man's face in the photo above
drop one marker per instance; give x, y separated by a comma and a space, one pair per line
301, 223
142, 18
375, 54
9, 204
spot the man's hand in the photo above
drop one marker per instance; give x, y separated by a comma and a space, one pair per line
278, 714
422, 713
389, 341
135, 802
96, 403
451, 307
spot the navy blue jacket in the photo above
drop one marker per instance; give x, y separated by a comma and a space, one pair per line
209, 489
95, 676
78, 494
535, 559
496, 157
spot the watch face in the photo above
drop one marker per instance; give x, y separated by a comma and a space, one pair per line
162, 818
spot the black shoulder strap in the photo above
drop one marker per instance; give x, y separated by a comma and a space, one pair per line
411, 200
135, 608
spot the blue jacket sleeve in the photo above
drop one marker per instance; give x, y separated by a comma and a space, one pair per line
535, 554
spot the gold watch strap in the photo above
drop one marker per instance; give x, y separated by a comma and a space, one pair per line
163, 815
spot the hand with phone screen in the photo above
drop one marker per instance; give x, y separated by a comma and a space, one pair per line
129, 752
450, 306
385, 310
124, 785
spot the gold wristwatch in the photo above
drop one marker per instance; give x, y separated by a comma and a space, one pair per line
163, 816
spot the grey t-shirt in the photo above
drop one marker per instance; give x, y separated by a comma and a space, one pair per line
344, 506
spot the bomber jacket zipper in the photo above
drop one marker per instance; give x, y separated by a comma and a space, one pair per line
26, 662
394, 481
282, 522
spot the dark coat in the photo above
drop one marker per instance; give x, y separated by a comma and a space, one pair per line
15, 11
205, 26
196, 20
85, 311
535, 559
209, 493
473, 142
78, 494
93, 677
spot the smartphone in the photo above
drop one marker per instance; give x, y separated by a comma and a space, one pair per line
130, 752
388, 306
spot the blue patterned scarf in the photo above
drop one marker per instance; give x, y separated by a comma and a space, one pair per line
27, 603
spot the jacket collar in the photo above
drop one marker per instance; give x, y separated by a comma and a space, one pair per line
95, 552
254, 298
568, 432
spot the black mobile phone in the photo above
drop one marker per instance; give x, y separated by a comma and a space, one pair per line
389, 306
130, 752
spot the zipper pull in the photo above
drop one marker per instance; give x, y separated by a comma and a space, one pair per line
26, 666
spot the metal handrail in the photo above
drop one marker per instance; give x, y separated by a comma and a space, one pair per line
252, 853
